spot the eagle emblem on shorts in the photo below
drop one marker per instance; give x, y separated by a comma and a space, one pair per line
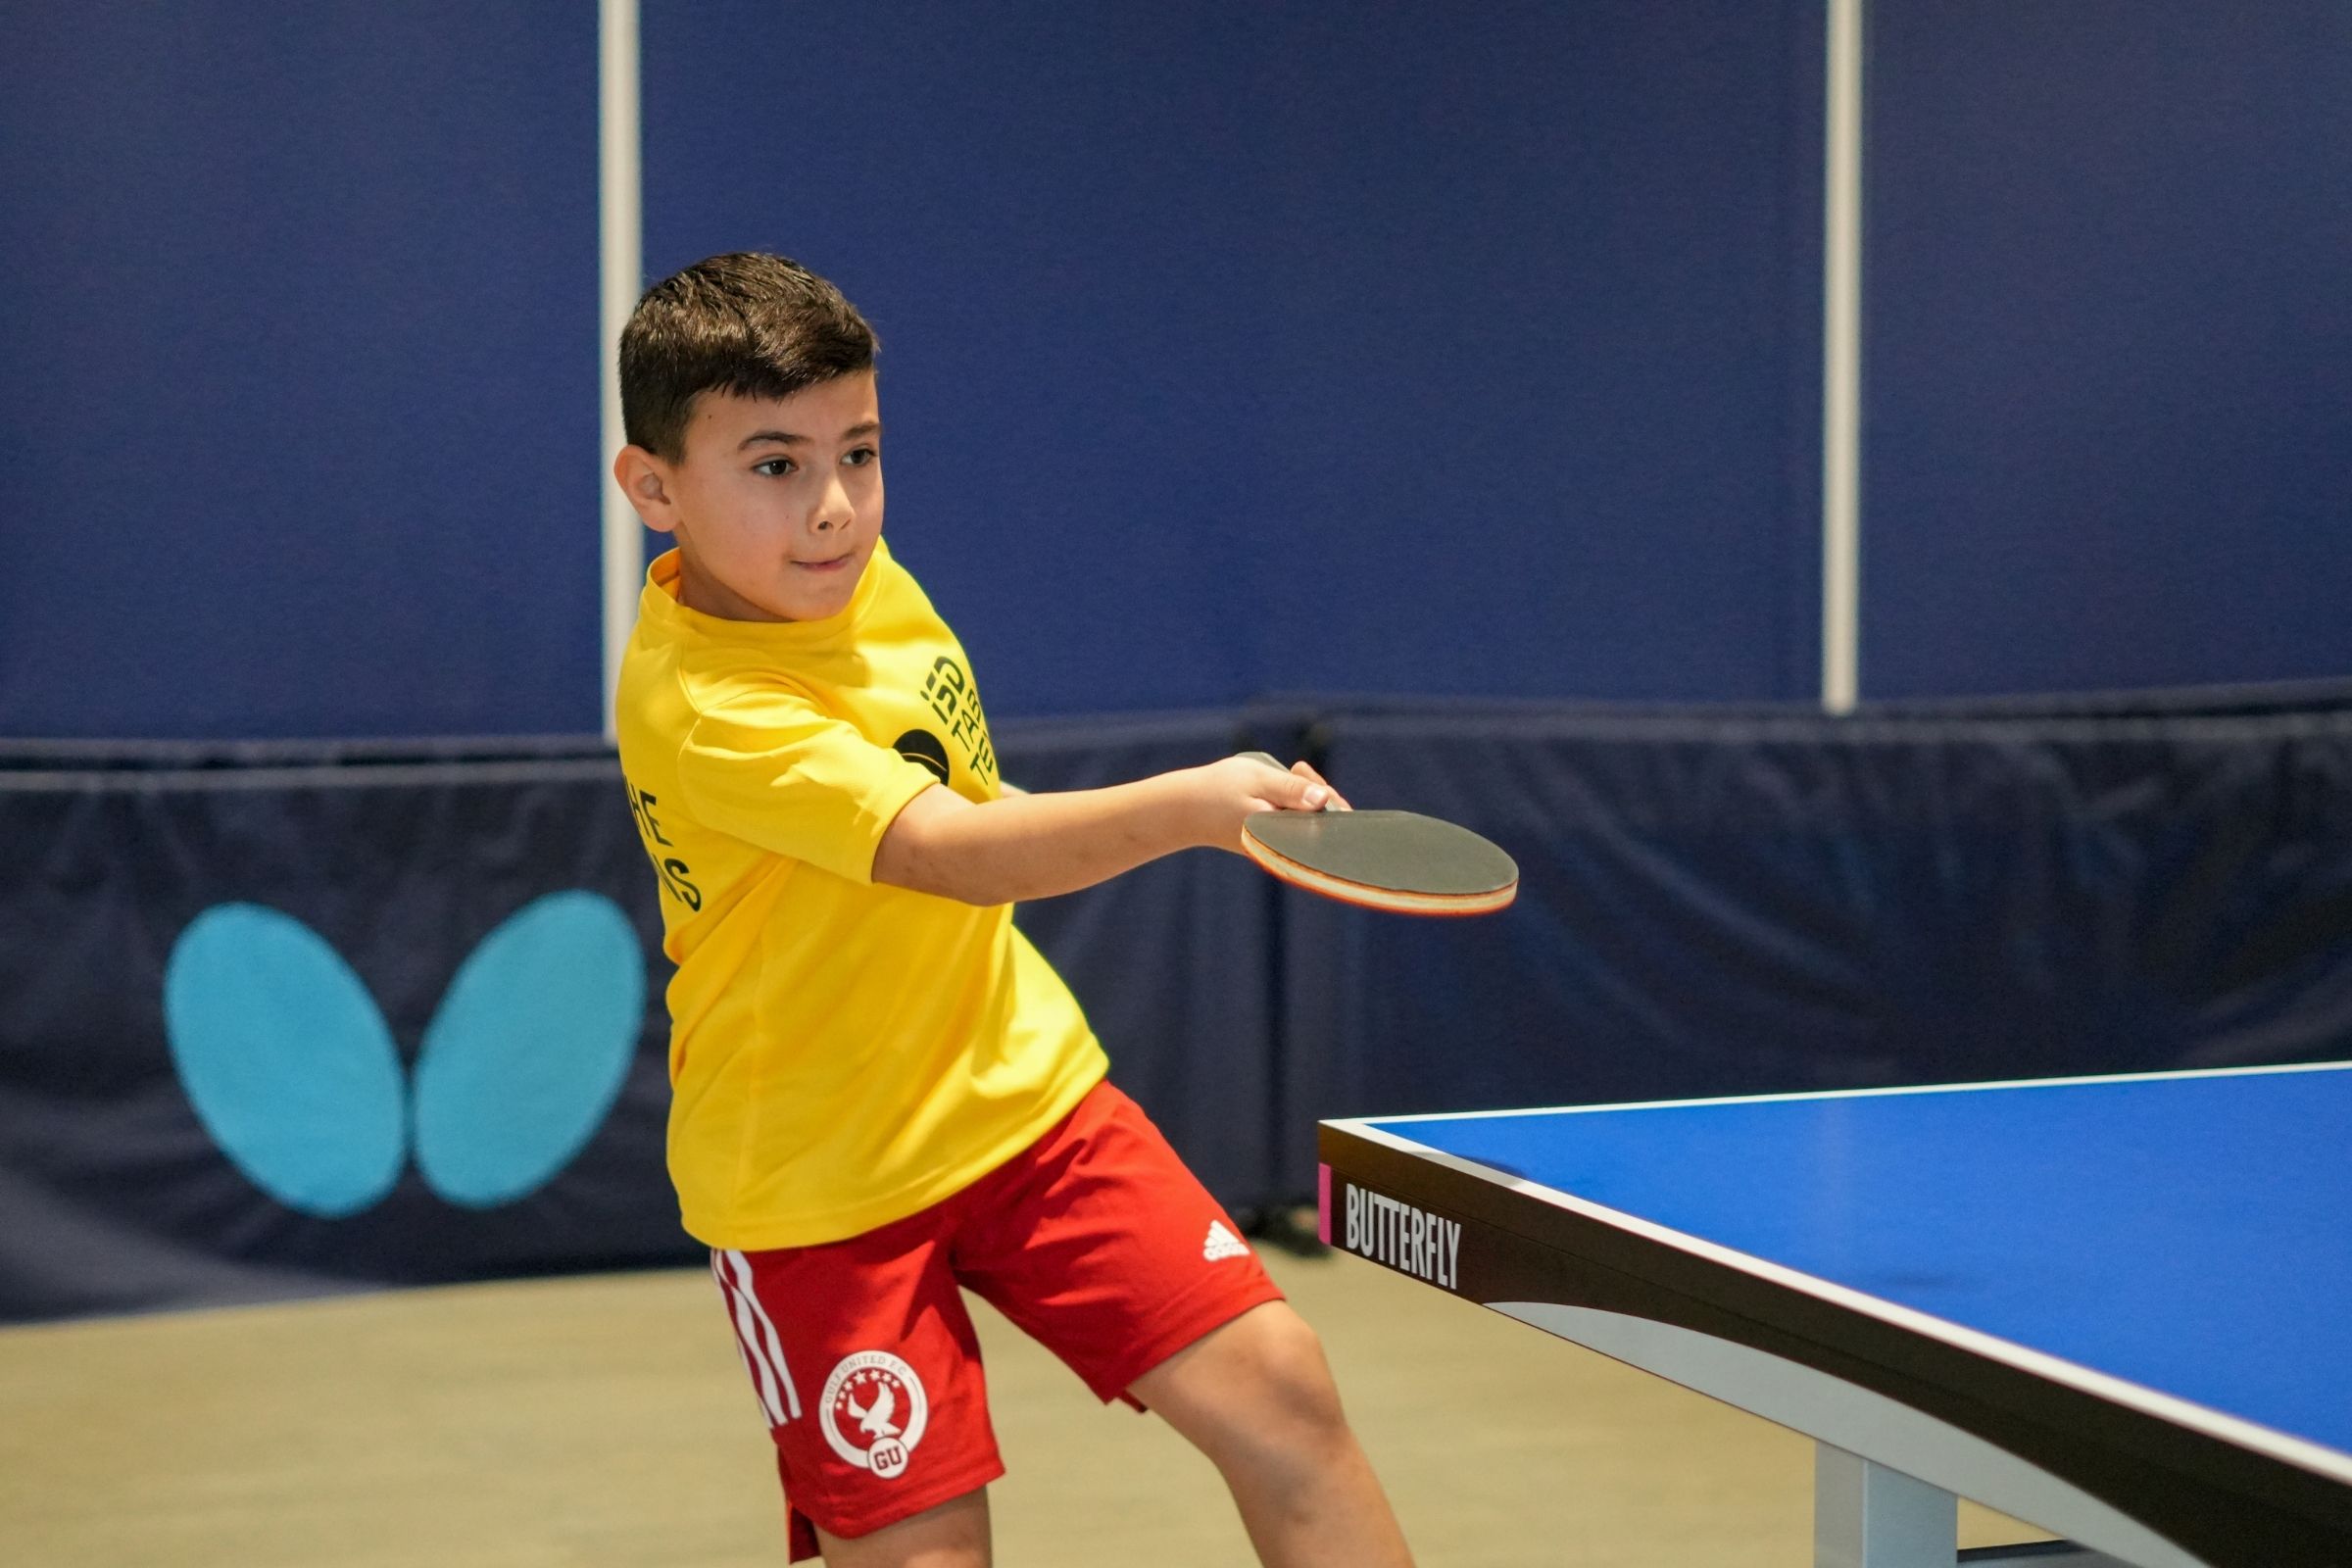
874, 1411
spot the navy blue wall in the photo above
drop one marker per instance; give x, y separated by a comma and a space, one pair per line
299, 314
1239, 348
2109, 270
1228, 350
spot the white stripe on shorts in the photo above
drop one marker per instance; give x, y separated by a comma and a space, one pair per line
747, 1343
775, 1346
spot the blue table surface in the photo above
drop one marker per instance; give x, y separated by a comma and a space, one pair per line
2190, 1234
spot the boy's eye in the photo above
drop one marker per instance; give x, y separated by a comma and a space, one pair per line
859, 456
773, 467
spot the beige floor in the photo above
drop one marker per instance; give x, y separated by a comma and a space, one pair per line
594, 1422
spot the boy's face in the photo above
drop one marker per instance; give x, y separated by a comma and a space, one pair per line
776, 504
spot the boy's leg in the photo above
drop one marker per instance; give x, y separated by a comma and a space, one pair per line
1258, 1398
953, 1535
867, 1374
1103, 1247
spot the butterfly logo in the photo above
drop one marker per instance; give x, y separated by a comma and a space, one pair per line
291, 1067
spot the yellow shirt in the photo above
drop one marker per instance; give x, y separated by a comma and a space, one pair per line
843, 1052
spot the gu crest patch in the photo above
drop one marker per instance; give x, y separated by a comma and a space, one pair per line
874, 1411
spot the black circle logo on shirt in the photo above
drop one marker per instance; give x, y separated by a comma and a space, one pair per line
922, 746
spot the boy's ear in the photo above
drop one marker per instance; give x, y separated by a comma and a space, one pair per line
644, 479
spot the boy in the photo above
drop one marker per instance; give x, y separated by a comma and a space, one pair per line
881, 1091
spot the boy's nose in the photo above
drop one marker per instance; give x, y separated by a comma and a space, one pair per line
833, 508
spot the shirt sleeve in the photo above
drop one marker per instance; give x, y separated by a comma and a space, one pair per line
782, 773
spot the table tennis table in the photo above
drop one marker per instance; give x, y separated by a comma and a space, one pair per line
2119, 1308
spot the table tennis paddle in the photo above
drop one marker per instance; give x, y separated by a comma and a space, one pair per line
1401, 861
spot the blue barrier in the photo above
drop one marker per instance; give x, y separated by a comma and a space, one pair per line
280, 1019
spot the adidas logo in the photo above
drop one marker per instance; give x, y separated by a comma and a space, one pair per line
1221, 1243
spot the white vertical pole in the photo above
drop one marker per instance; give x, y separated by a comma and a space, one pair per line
621, 248
1841, 368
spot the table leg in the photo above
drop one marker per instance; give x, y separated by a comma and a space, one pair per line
1868, 1516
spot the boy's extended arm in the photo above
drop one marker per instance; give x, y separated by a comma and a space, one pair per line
1035, 846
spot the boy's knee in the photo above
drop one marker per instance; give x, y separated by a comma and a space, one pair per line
1257, 1394
1298, 1376
1285, 1400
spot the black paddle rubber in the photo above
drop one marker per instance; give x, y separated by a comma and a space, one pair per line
1396, 861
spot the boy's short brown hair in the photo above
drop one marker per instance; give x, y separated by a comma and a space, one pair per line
749, 324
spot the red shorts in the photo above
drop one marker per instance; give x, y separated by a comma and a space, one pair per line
1094, 1239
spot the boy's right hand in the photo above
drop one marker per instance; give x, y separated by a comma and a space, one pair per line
1229, 792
